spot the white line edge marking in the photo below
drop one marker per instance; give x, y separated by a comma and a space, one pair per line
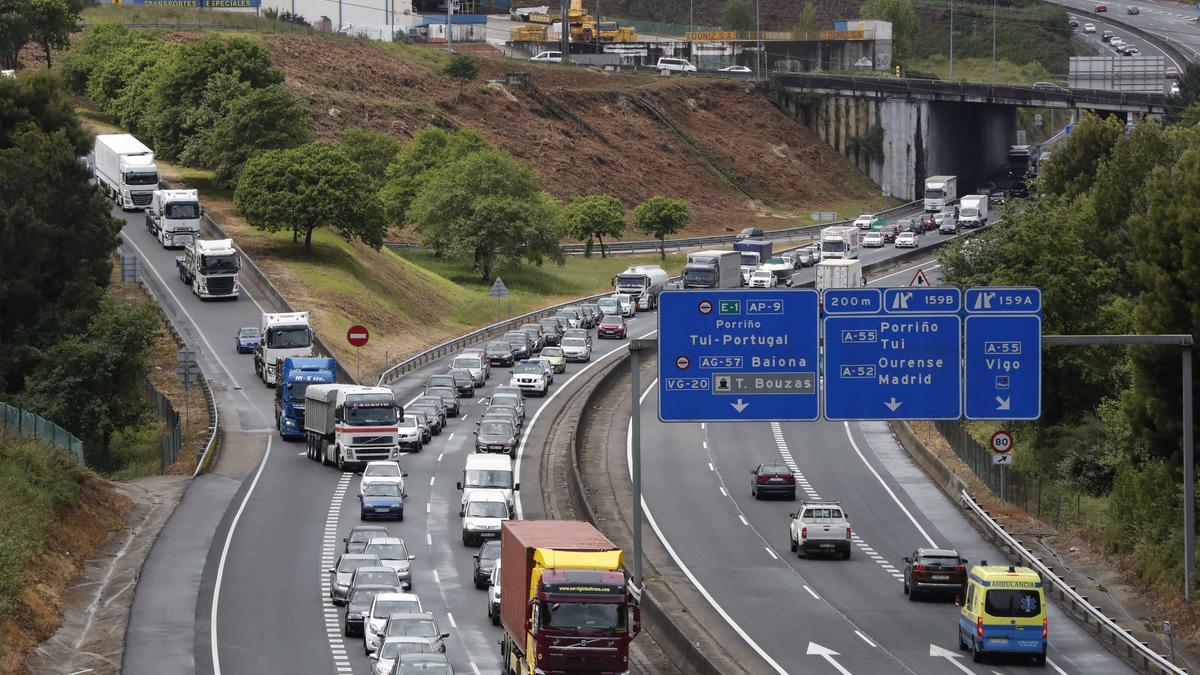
888, 488
811, 592
865, 639
216, 596
683, 566
1055, 666
771, 553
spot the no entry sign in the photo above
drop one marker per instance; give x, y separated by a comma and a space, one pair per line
357, 336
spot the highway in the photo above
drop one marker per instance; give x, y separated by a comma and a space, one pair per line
1103, 23
794, 611
240, 567
1165, 19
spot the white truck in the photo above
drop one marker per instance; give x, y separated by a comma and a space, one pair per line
125, 170
820, 527
173, 217
348, 425
940, 191
210, 267
839, 273
283, 335
643, 283
840, 241
713, 269
973, 211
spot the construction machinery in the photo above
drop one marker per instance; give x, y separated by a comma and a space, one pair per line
583, 26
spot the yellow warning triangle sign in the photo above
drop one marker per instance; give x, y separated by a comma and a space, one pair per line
919, 279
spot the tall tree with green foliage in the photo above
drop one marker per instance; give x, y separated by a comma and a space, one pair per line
14, 31
595, 217
1168, 268
57, 242
428, 150
487, 207
808, 18
1073, 170
462, 68
51, 23
235, 121
660, 217
310, 186
373, 151
738, 15
904, 24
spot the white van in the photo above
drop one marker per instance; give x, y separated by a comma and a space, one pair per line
676, 65
488, 471
547, 57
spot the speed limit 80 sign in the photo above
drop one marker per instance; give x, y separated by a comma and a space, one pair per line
1002, 442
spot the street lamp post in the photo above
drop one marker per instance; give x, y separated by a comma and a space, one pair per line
993, 41
951, 39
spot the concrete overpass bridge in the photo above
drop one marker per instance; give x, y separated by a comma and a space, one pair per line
899, 131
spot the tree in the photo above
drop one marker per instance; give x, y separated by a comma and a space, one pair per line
51, 23
904, 24
737, 15
1073, 170
428, 150
57, 242
595, 216
372, 151
808, 18
462, 68
659, 217
93, 382
310, 186
14, 30
1168, 266
234, 122
487, 206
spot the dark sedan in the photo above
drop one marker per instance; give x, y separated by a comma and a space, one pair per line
248, 339
433, 415
381, 500
613, 326
359, 605
499, 353
485, 560
463, 382
361, 534
934, 570
773, 480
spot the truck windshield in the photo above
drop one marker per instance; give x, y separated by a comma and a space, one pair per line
631, 280
969, 213
289, 337
832, 246
704, 276
749, 258
489, 479
141, 178
220, 263
182, 211
295, 392
370, 411
584, 616
487, 510
934, 194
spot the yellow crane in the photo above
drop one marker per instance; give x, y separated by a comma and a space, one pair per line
583, 27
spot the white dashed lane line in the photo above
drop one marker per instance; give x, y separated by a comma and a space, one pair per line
333, 628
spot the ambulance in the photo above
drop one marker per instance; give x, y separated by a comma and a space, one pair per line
1004, 612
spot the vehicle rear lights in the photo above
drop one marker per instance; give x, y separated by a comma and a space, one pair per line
804, 533
762, 478
789, 478
848, 533
918, 568
1045, 628
960, 568
979, 627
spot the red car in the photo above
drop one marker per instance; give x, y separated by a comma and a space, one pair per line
613, 326
927, 223
1101, 8
890, 232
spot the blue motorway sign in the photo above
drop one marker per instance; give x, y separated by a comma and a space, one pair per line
922, 300
852, 300
738, 355
894, 366
1003, 354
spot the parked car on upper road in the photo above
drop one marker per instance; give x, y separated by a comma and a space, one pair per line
750, 233
1100, 9
547, 57
1089, 28
735, 69
676, 65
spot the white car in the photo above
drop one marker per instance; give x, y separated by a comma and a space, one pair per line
482, 515
906, 240
547, 57
761, 278
576, 349
381, 471
628, 306
872, 240
475, 364
530, 377
735, 69
546, 366
391, 650
675, 65
383, 606
493, 599
1174, 88
865, 221
1089, 28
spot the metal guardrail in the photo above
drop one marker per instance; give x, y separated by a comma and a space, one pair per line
1121, 641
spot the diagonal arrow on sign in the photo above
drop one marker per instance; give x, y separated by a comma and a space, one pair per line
1003, 403
942, 653
826, 653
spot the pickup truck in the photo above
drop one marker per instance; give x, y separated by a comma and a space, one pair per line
820, 527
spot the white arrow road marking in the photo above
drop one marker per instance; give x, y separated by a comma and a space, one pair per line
942, 653
739, 406
826, 653
1003, 403
893, 404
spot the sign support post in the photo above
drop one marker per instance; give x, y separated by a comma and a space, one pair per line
636, 347
358, 336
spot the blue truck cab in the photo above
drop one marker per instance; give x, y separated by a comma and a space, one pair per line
297, 374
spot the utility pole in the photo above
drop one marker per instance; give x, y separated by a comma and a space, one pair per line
691, 16
951, 39
993, 41
449, 24
564, 39
758, 57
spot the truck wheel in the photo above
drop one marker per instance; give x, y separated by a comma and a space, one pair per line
324, 452
339, 460
793, 544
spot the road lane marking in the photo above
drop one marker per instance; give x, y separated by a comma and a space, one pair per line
743, 519
771, 553
886, 487
450, 437
429, 539
710, 466
812, 592
723, 492
436, 579
450, 618
440, 455
864, 638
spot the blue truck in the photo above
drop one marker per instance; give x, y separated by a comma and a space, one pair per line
297, 374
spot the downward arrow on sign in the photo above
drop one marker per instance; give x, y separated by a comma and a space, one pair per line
893, 404
739, 406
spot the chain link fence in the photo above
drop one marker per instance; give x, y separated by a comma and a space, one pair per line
1045, 499
20, 422
172, 440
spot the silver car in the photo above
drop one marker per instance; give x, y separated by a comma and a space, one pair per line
579, 333
416, 625
393, 648
392, 553
341, 573
576, 349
